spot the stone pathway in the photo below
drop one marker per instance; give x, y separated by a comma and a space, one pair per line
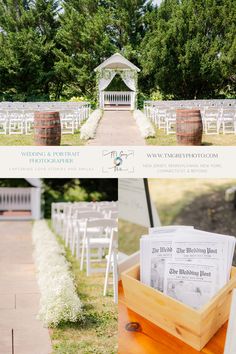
117, 128
19, 293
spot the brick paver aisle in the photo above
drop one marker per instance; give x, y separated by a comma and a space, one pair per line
117, 128
19, 293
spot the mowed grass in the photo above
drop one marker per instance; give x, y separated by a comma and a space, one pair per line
129, 236
162, 139
28, 140
97, 332
171, 197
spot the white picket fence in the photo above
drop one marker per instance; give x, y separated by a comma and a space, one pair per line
20, 199
18, 117
117, 98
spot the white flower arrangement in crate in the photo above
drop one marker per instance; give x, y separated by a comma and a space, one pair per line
59, 301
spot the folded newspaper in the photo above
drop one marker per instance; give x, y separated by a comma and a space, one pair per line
185, 263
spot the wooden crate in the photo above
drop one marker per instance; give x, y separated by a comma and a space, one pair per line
194, 327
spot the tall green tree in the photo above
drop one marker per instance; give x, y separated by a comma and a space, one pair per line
27, 31
190, 50
92, 30
83, 39
129, 24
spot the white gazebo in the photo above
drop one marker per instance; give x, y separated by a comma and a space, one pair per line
117, 65
21, 203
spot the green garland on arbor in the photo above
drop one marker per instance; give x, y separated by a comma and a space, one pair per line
107, 74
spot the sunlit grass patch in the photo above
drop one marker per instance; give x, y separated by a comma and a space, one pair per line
162, 139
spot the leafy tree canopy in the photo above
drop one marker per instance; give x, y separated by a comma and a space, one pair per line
49, 48
190, 51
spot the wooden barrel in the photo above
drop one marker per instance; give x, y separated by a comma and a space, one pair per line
47, 128
189, 126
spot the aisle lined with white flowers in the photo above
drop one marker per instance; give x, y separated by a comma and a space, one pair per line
117, 128
19, 293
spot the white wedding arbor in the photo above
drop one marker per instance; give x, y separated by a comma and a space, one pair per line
117, 65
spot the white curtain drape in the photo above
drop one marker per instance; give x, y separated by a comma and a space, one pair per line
105, 81
129, 79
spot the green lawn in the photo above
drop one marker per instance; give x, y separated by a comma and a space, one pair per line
97, 333
197, 202
129, 236
27, 140
162, 139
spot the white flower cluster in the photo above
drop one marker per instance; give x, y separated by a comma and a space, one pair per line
59, 301
88, 130
144, 124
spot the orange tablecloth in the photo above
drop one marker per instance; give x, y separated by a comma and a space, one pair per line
151, 339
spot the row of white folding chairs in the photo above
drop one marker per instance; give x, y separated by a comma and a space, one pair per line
22, 122
71, 217
79, 109
65, 216
62, 212
38, 106
191, 103
214, 119
90, 230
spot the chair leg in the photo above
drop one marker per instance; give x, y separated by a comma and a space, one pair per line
67, 236
77, 245
100, 253
115, 277
107, 274
82, 256
88, 264
73, 243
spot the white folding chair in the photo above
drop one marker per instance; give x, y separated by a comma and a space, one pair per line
53, 215
67, 122
152, 114
29, 122
78, 229
228, 120
211, 120
101, 241
3, 122
58, 215
161, 118
72, 220
107, 208
66, 217
113, 214
112, 265
170, 122
16, 122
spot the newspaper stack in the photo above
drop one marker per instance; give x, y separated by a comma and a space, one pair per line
185, 263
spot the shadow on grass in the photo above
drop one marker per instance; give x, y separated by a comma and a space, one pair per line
209, 212
206, 143
91, 319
